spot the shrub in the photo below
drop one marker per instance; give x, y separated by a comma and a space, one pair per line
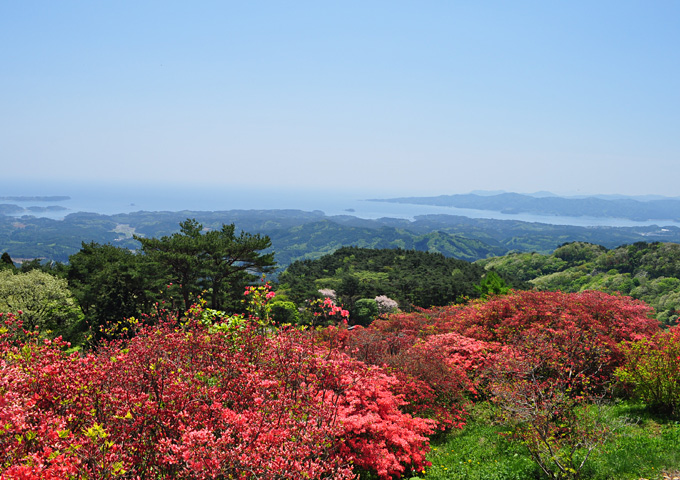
552, 410
581, 331
584, 329
437, 373
197, 401
652, 369
440, 375
386, 304
282, 312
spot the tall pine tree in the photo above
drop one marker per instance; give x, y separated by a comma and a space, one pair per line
218, 261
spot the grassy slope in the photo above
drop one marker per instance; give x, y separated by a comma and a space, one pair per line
645, 446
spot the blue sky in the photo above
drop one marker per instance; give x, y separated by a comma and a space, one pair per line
387, 97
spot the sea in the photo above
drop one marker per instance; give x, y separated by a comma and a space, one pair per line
112, 198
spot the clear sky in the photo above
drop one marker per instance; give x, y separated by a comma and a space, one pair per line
400, 97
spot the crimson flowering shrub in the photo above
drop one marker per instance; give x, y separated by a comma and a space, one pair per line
437, 372
377, 347
500, 318
558, 357
390, 337
188, 401
444, 356
209, 397
420, 323
585, 328
375, 434
326, 312
34, 443
651, 368
581, 330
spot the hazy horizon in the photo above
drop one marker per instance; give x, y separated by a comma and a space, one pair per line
122, 198
389, 98
43, 187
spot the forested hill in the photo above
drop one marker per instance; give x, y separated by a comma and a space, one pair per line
307, 235
410, 277
646, 271
661, 209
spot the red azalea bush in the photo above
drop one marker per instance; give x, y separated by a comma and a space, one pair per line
420, 323
201, 399
33, 443
582, 330
585, 328
437, 372
558, 356
441, 355
501, 318
326, 312
190, 402
375, 434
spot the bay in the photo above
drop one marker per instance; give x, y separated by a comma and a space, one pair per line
111, 198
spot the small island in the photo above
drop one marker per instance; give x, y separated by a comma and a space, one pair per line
49, 208
11, 209
21, 198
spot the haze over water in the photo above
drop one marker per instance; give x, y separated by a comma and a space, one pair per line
125, 198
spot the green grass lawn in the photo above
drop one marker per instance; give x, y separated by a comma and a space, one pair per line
643, 447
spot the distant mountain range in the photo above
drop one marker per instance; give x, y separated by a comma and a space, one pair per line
298, 235
642, 208
612, 196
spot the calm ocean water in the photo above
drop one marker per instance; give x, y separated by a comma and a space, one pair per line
110, 199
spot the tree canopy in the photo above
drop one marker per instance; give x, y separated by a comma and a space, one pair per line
6, 261
217, 261
112, 283
45, 302
410, 277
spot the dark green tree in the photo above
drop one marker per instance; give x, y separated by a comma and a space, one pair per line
6, 262
179, 255
112, 283
366, 310
218, 261
52, 267
230, 261
349, 291
410, 277
33, 264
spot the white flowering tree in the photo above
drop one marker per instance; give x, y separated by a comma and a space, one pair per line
386, 304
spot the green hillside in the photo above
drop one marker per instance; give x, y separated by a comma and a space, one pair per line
300, 235
646, 271
412, 278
